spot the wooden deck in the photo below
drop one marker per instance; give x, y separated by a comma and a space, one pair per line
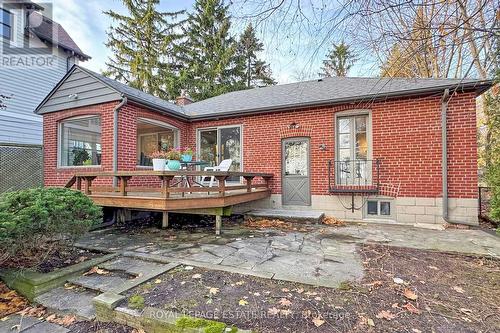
173, 194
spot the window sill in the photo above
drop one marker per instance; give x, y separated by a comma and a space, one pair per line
79, 167
145, 167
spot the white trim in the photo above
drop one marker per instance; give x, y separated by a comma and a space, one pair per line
59, 141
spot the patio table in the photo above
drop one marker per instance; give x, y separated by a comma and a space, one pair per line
192, 166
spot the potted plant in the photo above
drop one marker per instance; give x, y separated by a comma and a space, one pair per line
187, 155
159, 160
174, 156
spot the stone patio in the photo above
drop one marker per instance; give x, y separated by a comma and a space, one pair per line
322, 256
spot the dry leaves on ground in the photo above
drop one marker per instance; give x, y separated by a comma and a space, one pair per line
61, 320
10, 301
330, 220
275, 224
318, 321
410, 294
285, 302
96, 270
384, 314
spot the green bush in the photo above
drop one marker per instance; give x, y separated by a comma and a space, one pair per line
136, 302
30, 219
493, 178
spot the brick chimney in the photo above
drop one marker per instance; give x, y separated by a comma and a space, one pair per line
183, 99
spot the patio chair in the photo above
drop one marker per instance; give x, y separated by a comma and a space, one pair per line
225, 165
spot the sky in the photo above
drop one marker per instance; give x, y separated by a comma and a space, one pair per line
291, 57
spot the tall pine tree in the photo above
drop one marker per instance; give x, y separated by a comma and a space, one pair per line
143, 43
339, 61
256, 72
210, 52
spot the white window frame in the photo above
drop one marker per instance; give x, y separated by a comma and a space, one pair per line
12, 25
59, 142
379, 216
198, 138
369, 136
176, 130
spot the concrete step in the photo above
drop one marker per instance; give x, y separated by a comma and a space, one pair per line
131, 266
102, 283
299, 216
76, 302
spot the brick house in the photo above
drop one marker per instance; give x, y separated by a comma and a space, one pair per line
356, 148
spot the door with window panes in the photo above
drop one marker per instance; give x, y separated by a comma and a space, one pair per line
352, 165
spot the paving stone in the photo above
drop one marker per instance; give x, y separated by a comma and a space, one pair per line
14, 320
287, 215
74, 302
46, 327
131, 265
98, 282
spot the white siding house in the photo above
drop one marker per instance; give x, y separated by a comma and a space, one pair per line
35, 53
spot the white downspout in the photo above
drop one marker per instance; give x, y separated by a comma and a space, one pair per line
116, 109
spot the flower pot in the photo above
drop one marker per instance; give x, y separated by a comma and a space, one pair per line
174, 165
166, 166
159, 164
186, 157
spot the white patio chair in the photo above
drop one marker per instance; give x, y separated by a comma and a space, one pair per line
225, 165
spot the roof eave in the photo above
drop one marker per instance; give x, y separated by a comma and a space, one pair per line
479, 89
78, 53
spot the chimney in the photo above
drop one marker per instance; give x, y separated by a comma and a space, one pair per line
183, 99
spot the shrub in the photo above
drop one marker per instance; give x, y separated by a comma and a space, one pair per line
493, 178
31, 219
136, 302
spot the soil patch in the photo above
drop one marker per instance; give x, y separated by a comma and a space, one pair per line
96, 326
50, 258
404, 290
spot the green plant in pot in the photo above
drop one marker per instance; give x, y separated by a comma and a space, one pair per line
174, 158
187, 154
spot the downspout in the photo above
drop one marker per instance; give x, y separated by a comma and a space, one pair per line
444, 152
116, 109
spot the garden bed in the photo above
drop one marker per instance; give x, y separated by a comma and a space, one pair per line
403, 290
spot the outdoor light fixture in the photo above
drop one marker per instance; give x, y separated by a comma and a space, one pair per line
73, 96
293, 125
322, 147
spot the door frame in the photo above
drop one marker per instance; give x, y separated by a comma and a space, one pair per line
217, 128
309, 175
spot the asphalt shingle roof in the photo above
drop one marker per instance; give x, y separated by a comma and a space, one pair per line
323, 91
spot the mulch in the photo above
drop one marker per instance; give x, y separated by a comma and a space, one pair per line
403, 290
50, 258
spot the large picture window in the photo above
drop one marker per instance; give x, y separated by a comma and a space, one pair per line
153, 136
6, 24
80, 141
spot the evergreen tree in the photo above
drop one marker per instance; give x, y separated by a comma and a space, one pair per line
143, 43
256, 72
339, 61
211, 66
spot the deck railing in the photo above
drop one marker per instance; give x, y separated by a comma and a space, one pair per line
354, 176
171, 182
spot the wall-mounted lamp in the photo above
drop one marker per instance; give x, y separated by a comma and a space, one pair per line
293, 126
73, 96
322, 147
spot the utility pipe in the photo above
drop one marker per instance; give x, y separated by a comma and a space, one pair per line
116, 109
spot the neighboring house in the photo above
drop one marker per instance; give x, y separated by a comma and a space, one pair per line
35, 53
321, 139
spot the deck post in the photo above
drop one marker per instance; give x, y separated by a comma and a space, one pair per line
88, 187
222, 185
268, 181
249, 183
123, 185
164, 221
218, 224
166, 184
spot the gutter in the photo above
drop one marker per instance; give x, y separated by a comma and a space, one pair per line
116, 109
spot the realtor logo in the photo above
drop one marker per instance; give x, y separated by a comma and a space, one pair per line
29, 36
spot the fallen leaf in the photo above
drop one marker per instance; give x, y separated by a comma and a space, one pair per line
374, 284
467, 311
434, 268
242, 302
285, 290
415, 330
96, 270
285, 302
408, 293
213, 291
387, 315
317, 298
158, 281
188, 268
286, 312
4, 319
318, 321
240, 283
411, 308
458, 289
395, 305
273, 311
256, 294
300, 290
398, 280
196, 276
310, 293
370, 322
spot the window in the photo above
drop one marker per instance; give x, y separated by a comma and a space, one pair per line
80, 141
378, 208
352, 153
6, 24
153, 136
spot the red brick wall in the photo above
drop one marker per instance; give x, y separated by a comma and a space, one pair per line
406, 137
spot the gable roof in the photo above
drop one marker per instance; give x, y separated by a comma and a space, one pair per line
54, 33
326, 91
94, 94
